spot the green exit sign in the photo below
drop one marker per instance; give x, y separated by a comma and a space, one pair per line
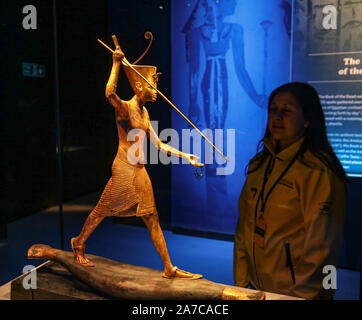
33, 70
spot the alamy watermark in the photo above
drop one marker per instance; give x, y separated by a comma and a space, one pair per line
30, 279
330, 280
30, 20
190, 142
330, 17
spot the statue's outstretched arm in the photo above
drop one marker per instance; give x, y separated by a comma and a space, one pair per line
155, 140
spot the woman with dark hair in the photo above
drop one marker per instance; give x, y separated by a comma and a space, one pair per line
292, 206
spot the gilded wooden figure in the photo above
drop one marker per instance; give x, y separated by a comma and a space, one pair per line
129, 190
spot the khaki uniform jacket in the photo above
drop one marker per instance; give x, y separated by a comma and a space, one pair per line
304, 217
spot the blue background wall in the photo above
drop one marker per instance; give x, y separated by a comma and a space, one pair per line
210, 204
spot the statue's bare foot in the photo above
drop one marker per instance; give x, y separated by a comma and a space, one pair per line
78, 251
178, 273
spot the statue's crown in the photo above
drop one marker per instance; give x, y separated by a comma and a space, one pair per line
149, 72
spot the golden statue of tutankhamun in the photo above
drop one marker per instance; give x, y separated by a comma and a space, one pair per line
129, 190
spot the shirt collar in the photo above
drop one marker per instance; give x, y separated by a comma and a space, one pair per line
285, 154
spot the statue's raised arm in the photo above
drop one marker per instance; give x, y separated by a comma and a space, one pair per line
111, 86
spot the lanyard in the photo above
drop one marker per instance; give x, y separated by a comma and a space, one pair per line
261, 195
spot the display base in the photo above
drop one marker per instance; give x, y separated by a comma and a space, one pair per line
54, 282
62, 278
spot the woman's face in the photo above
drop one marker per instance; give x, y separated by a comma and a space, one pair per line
285, 119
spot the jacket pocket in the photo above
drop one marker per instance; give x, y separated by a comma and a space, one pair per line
289, 261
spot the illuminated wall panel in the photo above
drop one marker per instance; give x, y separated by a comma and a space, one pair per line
227, 56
